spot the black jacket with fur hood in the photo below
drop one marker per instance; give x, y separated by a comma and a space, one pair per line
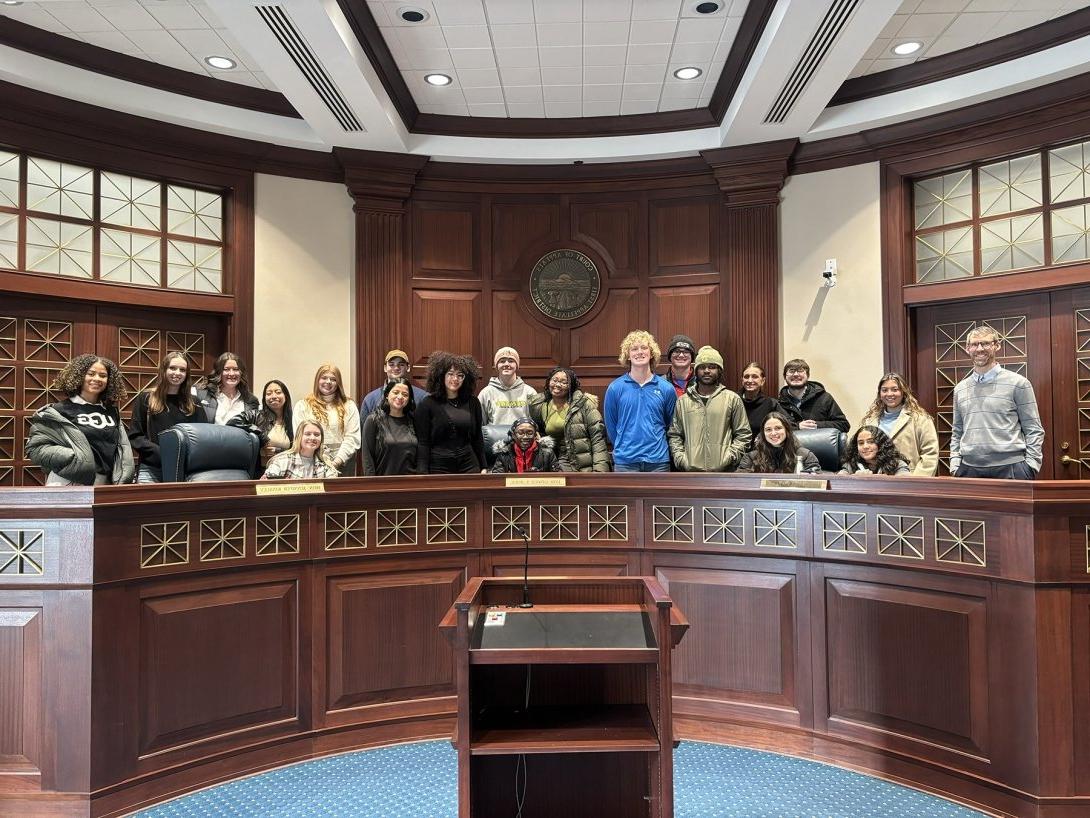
544, 458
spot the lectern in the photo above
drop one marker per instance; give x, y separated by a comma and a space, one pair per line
564, 707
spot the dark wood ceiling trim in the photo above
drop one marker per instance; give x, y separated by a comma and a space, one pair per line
1001, 49
374, 46
142, 72
749, 34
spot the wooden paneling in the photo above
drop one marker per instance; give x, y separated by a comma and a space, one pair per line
445, 320
683, 235
516, 226
20, 689
599, 342
384, 643
1080, 681
693, 311
217, 661
908, 661
539, 346
614, 226
751, 276
445, 240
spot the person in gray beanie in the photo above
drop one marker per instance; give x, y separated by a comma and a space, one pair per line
710, 431
679, 354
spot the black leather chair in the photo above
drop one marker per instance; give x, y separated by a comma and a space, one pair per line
493, 433
197, 452
827, 444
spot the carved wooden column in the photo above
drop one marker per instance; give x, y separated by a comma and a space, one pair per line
380, 184
751, 177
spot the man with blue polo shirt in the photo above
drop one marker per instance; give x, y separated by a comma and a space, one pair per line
639, 407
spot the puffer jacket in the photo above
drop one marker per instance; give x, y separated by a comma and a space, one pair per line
708, 433
585, 447
544, 457
817, 405
57, 445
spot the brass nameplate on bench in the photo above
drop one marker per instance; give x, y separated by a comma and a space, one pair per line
535, 482
289, 488
794, 483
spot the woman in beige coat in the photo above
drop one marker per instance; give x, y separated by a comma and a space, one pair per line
897, 413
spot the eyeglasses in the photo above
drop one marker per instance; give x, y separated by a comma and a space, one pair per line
795, 370
980, 344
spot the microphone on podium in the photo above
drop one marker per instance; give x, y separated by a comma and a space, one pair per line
526, 603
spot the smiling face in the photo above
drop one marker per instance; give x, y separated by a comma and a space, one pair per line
452, 381
310, 440
774, 432
639, 354
753, 380
231, 376
177, 369
525, 434
867, 446
707, 374
398, 398
890, 394
796, 377
507, 367
95, 381
982, 349
274, 397
680, 359
396, 367
327, 384
559, 385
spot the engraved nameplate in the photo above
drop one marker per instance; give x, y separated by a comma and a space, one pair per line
535, 482
289, 488
794, 483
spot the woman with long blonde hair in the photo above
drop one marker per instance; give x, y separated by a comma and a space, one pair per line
166, 401
329, 406
896, 412
304, 460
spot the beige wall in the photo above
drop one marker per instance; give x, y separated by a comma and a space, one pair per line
303, 282
837, 330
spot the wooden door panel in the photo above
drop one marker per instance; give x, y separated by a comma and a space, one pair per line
1070, 384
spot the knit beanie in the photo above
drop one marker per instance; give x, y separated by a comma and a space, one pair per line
506, 352
708, 355
681, 342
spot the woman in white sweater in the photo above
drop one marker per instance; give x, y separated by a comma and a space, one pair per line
328, 405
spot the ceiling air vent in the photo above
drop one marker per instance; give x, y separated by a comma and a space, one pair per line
827, 32
308, 63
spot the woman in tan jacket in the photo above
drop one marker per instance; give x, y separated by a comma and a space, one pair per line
897, 413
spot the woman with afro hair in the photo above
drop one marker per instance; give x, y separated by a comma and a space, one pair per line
448, 421
81, 440
871, 451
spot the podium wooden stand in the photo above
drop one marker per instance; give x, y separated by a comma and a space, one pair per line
567, 702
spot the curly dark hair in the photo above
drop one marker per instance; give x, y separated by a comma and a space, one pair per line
70, 379
887, 461
573, 380
769, 459
439, 363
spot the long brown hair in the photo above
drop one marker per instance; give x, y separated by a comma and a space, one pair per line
317, 406
158, 389
911, 405
768, 458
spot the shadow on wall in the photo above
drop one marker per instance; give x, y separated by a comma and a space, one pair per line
814, 315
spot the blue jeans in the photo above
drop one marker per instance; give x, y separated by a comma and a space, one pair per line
642, 466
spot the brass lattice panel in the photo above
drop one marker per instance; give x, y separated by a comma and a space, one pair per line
276, 534
672, 523
164, 544
960, 541
446, 525
223, 539
22, 552
844, 531
724, 525
775, 528
345, 530
507, 520
396, 526
608, 522
558, 523
900, 536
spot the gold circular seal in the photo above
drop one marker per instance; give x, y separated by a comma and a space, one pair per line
564, 284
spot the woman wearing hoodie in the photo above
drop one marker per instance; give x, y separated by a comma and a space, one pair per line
504, 400
571, 418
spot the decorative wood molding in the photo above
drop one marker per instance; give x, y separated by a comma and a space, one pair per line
110, 63
992, 52
751, 174
377, 180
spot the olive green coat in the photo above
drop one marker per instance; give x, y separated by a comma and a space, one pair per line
585, 447
708, 433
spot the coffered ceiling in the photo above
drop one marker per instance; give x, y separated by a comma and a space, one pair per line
539, 80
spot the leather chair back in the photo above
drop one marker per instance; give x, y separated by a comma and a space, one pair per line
827, 444
493, 433
197, 452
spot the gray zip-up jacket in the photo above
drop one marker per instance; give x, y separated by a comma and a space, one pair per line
57, 445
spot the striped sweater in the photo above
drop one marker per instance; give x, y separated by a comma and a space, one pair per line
996, 422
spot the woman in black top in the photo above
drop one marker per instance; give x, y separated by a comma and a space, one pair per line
166, 401
757, 403
389, 438
448, 421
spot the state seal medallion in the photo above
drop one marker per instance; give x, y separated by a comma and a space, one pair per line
564, 284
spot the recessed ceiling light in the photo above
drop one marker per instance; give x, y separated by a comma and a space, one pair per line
13, 2
437, 79
689, 73
707, 8
904, 49
222, 63
412, 14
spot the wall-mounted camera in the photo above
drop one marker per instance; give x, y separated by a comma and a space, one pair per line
828, 275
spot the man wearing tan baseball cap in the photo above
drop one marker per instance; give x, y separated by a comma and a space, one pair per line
396, 365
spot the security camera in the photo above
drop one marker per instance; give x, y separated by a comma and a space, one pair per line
828, 275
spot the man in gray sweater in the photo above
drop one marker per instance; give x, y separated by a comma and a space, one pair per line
997, 430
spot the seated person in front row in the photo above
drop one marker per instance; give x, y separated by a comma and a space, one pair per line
777, 452
524, 450
304, 460
871, 451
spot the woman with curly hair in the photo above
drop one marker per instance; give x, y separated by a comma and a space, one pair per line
272, 423
777, 451
571, 418
328, 405
81, 440
870, 451
448, 421
166, 401
897, 413
226, 393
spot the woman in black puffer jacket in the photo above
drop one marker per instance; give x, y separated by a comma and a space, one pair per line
571, 418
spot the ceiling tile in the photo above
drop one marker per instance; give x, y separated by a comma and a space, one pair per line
893, 27
477, 95
639, 106
693, 52
603, 74
931, 6
431, 59
392, 7
473, 58
478, 77
944, 45
417, 38
562, 93
653, 31
80, 17
705, 30
522, 93
648, 54
379, 12
656, 9
488, 109
33, 16
642, 91
563, 109
605, 55
645, 73
674, 91
448, 109
515, 36
878, 48
517, 57
601, 108
131, 17
203, 42
602, 93
562, 76
174, 16
550, 34
919, 25
155, 41
459, 12
605, 33
561, 57
991, 5
973, 26
526, 109
558, 11
521, 76
505, 12
114, 41
607, 10
1016, 21
677, 105
467, 36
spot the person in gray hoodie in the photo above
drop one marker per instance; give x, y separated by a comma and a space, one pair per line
504, 400
81, 439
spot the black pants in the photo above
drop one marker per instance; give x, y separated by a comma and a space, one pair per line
453, 461
1012, 471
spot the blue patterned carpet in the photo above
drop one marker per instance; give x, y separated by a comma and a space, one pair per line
420, 781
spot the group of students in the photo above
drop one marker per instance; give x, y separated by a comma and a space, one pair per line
686, 420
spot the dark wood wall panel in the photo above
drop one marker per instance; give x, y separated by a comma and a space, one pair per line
20, 689
599, 342
445, 240
751, 271
383, 641
693, 311
614, 226
516, 227
683, 234
1080, 681
538, 346
199, 651
445, 320
924, 672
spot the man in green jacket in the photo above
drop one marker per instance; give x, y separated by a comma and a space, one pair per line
710, 431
